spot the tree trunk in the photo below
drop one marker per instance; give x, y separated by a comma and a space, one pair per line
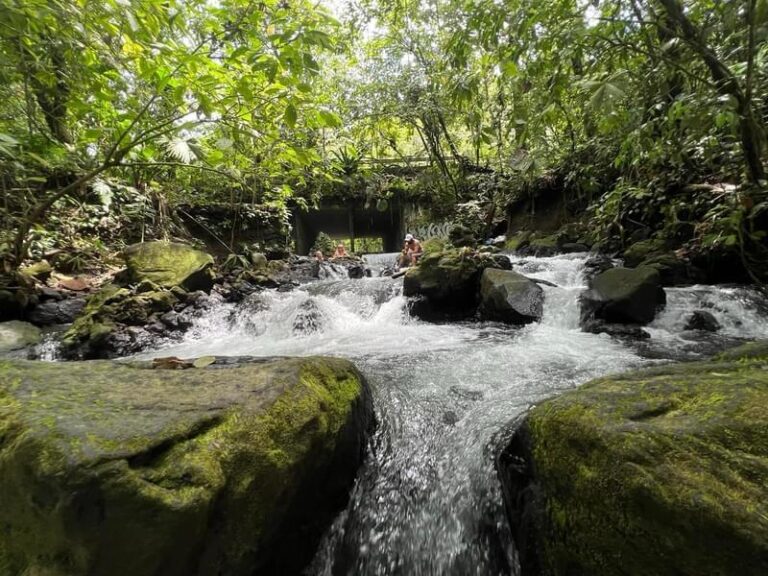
752, 133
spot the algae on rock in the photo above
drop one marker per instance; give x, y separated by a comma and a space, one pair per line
661, 471
169, 264
119, 469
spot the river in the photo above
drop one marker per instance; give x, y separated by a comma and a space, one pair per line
428, 500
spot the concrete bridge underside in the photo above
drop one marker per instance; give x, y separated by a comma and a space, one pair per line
349, 221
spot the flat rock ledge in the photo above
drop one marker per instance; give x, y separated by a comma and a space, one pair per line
235, 468
661, 471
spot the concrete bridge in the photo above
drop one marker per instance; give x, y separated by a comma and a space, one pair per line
352, 220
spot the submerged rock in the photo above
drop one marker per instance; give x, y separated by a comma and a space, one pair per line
660, 471
623, 296
702, 320
16, 335
128, 470
510, 297
168, 264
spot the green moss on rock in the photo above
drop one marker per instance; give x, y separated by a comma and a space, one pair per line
120, 469
661, 471
169, 264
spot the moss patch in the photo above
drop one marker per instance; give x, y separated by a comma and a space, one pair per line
660, 471
108, 468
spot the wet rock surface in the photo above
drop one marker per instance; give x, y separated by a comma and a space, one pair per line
135, 469
660, 471
623, 296
510, 297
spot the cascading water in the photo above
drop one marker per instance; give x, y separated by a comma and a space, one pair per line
427, 500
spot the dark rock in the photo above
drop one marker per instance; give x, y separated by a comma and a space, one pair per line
660, 471
702, 320
573, 247
47, 293
11, 305
510, 297
501, 261
640, 251
56, 312
175, 321
449, 282
309, 318
450, 418
623, 296
597, 264
624, 331
236, 469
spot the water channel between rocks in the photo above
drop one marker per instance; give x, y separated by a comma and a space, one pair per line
428, 500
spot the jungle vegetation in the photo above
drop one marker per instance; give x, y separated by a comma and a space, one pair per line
113, 110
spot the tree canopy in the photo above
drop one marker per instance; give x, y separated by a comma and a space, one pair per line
276, 101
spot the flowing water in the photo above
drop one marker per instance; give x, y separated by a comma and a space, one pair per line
427, 500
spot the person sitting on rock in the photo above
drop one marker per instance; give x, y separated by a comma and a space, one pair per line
341, 251
319, 255
412, 251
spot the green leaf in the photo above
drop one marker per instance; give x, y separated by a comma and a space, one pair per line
290, 115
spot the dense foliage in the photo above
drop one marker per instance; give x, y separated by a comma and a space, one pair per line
624, 104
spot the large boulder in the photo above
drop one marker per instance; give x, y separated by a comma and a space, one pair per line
122, 469
447, 282
623, 296
662, 471
16, 335
510, 297
168, 264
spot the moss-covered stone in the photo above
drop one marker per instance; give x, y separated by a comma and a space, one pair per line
97, 321
121, 469
640, 251
15, 335
517, 241
662, 471
448, 280
168, 264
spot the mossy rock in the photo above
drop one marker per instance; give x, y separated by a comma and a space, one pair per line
519, 240
640, 251
15, 335
124, 470
434, 245
168, 264
662, 471
97, 320
448, 280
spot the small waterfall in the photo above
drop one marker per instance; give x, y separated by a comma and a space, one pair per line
427, 500
379, 262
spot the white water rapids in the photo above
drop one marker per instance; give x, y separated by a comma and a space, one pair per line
427, 500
